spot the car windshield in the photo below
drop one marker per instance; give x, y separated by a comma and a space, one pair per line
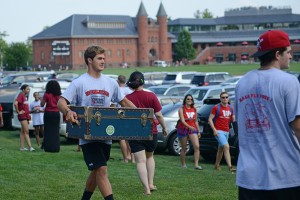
197, 94
197, 79
171, 110
157, 90
7, 80
170, 77
232, 80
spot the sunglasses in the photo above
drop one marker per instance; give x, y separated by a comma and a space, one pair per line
225, 97
189, 99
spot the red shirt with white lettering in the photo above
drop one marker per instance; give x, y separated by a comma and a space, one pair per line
224, 117
189, 115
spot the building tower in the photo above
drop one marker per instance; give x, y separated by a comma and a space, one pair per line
142, 26
162, 20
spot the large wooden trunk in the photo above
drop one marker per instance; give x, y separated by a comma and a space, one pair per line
98, 123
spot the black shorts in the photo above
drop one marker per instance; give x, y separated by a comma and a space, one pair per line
147, 145
280, 194
95, 154
42, 125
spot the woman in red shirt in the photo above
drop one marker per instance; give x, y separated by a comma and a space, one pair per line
188, 127
51, 142
143, 149
22, 108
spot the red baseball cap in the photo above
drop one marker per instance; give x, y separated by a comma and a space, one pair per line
270, 40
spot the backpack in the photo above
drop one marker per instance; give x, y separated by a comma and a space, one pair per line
218, 111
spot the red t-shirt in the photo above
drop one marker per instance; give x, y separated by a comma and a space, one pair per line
1, 108
144, 99
51, 102
23, 104
189, 115
223, 119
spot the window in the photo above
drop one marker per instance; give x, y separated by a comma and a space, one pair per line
109, 53
42, 56
119, 53
128, 52
232, 57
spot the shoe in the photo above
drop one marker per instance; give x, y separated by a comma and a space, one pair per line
23, 149
146, 194
154, 188
31, 149
198, 168
184, 166
231, 169
218, 168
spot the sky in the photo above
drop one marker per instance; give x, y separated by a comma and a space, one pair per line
22, 19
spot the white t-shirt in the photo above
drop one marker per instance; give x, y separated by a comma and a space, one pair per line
89, 91
37, 117
266, 102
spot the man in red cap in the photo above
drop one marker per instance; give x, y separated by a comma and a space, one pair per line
267, 110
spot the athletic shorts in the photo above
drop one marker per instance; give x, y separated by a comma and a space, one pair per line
95, 154
42, 125
140, 145
279, 194
222, 138
183, 132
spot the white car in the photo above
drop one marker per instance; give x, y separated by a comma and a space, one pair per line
232, 81
203, 92
40, 88
160, 63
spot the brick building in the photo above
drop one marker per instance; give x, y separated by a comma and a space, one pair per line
136, 41
232, 38
140, 40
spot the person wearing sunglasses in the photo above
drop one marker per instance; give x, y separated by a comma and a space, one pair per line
188, 127
219, 119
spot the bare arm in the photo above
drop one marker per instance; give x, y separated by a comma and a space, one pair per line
211, 123
43, 102
197, 125
126, 103
17, 108
62, 105
296, 127
1, 119
161, 120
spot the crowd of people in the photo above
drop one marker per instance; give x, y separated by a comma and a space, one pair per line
269, 158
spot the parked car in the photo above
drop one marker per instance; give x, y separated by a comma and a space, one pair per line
67, 76
170, 93
18, 79
232, 81
154, 78
210, 78
160, 63
204, 92
170, 142
40, 88
7, 95
208, 143
178, 78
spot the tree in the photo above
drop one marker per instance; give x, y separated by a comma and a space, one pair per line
197, 14
184, 48
3, 47
17, 55
206, 14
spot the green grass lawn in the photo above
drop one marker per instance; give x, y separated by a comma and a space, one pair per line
234, 69
39, 175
